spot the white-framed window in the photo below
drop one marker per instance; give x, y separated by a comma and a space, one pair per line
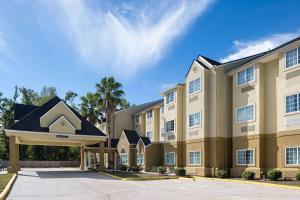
292, 57
149, 114
292, 155
292, 103
245, 113
170, 97
245, 157
194, 86
139, 159
170, 126
245, 76
195, 119
170, 158
195, 158
123, 159
137, 119
149, 134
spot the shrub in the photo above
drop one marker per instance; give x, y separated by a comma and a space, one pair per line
122, 167
298, 176
248, 175
134, 169
274, 174
161, 170
222, 173
154, 169
180, 171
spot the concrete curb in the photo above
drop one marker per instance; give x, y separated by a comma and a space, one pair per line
8, 187
138, 179
251, 182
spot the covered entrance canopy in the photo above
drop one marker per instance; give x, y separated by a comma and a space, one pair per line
54, 124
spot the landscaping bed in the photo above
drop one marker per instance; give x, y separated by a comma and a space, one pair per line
289, 183
4, 179
140, 175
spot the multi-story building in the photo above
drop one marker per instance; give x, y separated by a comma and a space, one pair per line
240, 115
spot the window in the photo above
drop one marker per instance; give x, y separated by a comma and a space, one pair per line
195, 158
245, 113
194, 86
170, 158
245, 157
149, 114
124, 158
170, 97
149, 134
139, 159
195, 119
292, 103
292, 156
246, 76
170, 126
137, 119
292, 57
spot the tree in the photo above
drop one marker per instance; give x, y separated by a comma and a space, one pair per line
30, 97
69, 98
90, 108
110, 97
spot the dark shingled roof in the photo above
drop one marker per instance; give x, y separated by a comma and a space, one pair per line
114, 143
132, 136
31, 121
21, 110
146, 140
211, 61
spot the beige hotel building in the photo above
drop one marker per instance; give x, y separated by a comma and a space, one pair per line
240, 115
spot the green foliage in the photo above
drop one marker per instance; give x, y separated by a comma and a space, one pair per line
30, 97
90, 107
122, 167
298, 176
154, 169
274, 174
222, 173
180, 171
248, 175
161, 170
135, 168
69, 99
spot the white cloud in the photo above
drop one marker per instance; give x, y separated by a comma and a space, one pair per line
247, 48
124, 38
166, 86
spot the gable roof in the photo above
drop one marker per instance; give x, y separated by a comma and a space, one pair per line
132, 136
31, 121
21, 110
146, 140
211, 61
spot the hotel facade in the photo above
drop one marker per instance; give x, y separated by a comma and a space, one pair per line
240, 115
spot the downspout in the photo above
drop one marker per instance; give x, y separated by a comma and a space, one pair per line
215, 130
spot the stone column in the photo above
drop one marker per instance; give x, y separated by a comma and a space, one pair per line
14, 166
101, 153
81, 158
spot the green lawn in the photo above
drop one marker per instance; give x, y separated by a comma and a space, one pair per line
139, 175
4, 179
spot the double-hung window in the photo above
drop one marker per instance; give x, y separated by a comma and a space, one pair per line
137, 119
292, 103
194, 86
139, 159
245, 76
149, 114
245, 157
170, 97
194, 119
124, 158
292, 155
292, 57
170, 126
170, 158
245, 113
195, 158
149, 134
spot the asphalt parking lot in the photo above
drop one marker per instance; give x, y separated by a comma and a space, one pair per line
67, 184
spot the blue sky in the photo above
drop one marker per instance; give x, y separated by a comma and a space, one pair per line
146, 45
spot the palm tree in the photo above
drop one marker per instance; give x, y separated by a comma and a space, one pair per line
110, 97
90, 107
